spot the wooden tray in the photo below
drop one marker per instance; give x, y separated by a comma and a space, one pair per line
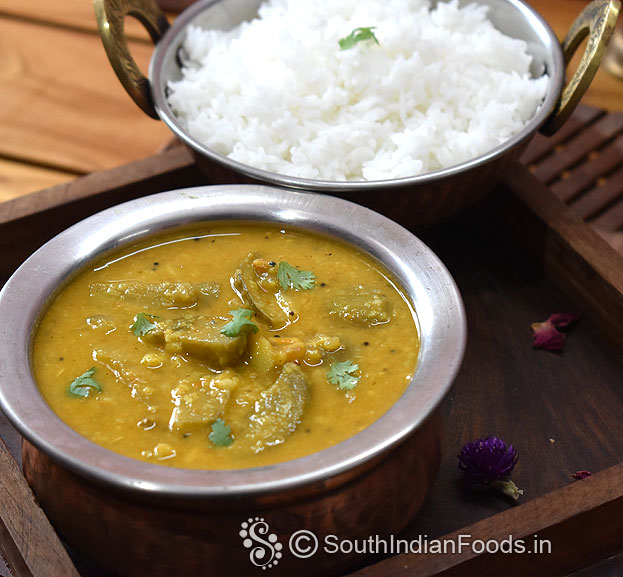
518, 256
582, 164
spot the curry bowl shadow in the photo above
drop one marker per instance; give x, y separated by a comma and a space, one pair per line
138, 518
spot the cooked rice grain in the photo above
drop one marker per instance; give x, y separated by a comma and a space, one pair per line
277, 93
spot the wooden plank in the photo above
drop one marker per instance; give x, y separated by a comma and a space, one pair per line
560, 14
580, 528
614, 239
71, 14
51, 210
162, 166
582, 164
17, 179
605, 90
612, 219
600, 198
609, 567
541, 146
505, 387
593, 137
501, 374
79, 13
592, 269
28, 542
63, 106
566, 520
597, 165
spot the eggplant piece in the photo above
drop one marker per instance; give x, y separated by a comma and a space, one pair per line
199, 337
363, 306
257, 284
138, 386
201, 401
279, 409
164, 294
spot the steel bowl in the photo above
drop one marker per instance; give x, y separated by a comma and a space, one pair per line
424, 199
139, 518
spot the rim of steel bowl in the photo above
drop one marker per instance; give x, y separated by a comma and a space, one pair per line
426, 281
511, 17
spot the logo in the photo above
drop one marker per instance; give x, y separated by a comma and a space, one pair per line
265, 549
303, 544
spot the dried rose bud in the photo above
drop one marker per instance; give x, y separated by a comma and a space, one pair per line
581, 475
546, 334
564, 320
488, 463
547, 337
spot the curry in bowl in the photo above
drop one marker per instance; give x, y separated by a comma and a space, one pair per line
226, 345
372, 482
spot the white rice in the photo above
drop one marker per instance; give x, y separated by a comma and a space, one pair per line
443, 86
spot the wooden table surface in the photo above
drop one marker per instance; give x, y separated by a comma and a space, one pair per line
64, 113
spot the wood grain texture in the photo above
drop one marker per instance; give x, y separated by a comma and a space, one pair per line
63, 106
561, 411
611, 566
62, 125
563, 522
68, 14
560, 15
49, 211
18, 179
198, 537
135, 176
541, 402
27, 540
541, 146
583, 166
570, 154
594, 272
605, 90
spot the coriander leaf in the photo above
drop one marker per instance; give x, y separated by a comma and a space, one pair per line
141, 324
241, 320
290, 276
221, 434
357, 35
84, 385
341, 374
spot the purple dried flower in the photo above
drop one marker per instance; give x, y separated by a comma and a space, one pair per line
579, 475
488, 463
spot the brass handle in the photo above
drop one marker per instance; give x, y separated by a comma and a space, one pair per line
597, 21
110, 15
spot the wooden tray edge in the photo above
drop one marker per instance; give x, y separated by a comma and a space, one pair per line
589, 271
28, 542
563, 517
96, 183
569, 252
571, 255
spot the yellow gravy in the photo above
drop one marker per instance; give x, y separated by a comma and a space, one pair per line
226, 345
